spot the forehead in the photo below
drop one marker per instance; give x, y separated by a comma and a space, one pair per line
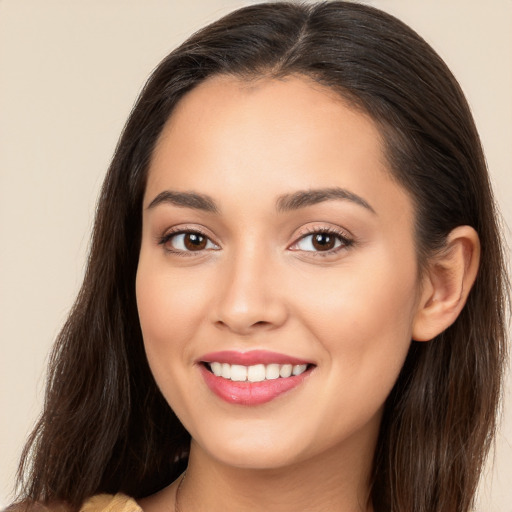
298, 105
225, 110
264, 138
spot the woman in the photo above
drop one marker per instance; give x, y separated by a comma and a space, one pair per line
299, 192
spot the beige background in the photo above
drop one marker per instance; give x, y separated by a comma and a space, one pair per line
69, 73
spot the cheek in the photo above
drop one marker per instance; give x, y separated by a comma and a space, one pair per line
361, 301
168, 304
365, 334
169, 314
364, 323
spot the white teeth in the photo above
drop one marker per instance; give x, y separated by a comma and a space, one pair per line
299, 368
238, 372
285, 371
216, 369
272, 371
257, 372
226, 371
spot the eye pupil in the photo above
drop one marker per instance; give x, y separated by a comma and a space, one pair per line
323, 241
194, 241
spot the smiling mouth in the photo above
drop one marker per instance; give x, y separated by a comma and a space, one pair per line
255, 373
253, 377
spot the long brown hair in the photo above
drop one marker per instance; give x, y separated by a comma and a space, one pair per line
105, 425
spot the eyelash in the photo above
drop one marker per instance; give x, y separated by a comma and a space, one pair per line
346, 242
181, 231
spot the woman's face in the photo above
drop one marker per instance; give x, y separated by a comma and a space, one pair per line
275, 241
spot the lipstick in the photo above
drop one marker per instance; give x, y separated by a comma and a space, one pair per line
254, 377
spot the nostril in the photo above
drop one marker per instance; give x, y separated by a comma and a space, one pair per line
243, 327
261, 323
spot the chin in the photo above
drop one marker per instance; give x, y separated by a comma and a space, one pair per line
254, 458
259, 447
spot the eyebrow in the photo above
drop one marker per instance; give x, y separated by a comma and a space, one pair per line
284, 203
302, 199
185, 200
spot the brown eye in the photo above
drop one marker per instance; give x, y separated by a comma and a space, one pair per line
323, 241
187, 241
194, 241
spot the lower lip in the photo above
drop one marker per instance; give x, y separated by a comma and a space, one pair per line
250, 393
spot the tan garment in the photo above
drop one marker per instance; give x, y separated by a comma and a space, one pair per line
99, 503
110, 503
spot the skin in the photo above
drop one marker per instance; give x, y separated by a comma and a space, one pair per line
259, 283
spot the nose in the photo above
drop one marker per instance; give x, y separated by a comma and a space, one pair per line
250, 297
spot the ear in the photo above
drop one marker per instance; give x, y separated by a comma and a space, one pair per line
446, 284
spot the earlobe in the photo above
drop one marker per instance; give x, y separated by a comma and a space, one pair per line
447, 283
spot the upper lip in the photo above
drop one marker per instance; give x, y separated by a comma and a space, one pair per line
251, 357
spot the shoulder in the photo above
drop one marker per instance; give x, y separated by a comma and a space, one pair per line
99, 503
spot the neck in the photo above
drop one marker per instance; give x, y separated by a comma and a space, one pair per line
338, 480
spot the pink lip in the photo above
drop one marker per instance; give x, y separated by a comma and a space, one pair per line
250, 358
250, 393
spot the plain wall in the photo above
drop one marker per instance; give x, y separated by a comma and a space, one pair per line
69, 73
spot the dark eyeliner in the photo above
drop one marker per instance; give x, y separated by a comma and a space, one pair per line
346, 242
162, 240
